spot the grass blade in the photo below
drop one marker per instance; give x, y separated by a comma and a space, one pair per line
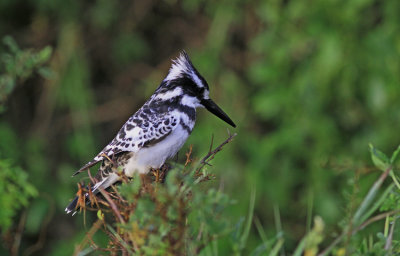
247, 227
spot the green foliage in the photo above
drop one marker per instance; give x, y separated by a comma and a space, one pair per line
380, 160
321, 87
391, 202
17, 65
15, 191
178, 214
387, 242
175, 217
173, 213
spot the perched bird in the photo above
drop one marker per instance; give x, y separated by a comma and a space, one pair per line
157, 130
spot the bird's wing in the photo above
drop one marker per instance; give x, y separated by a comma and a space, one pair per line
136, 134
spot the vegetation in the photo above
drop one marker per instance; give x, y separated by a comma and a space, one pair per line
309, 86
159, 214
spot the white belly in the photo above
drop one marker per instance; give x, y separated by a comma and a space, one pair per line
155, 156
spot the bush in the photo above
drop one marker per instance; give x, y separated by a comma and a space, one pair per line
173, 212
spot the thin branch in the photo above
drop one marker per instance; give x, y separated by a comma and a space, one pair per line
43, 230
112, 205
188, 155
18, 234
211, 144
210, 155
118, 195
92, 197
375, 219
88, 236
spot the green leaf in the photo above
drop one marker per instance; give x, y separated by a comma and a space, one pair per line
46, 72
380, 160
44, 55
10, 42
277, 247
15, 192
394, 155
86, 251
246, 231
100, 215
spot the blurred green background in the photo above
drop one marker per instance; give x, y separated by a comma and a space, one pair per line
308, 83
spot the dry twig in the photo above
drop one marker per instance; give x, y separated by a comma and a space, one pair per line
211, 153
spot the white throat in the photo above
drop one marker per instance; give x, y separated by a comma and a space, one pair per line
190, 101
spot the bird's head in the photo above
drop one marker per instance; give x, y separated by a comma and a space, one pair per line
183, 79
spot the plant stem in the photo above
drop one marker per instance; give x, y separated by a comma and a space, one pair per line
370, 196
363, 207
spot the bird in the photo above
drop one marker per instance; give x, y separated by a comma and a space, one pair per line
156, 131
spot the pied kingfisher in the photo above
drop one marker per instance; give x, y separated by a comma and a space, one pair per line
157, 130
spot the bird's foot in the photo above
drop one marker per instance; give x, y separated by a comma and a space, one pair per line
156, 174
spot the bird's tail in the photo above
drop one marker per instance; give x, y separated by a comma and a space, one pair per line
72, 207
104, 184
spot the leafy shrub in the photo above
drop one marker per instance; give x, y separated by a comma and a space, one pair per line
15, 190
160, 214
173, 212
16, 65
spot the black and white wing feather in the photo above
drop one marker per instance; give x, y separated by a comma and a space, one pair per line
138, 132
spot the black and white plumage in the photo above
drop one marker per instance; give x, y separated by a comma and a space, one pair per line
158, 129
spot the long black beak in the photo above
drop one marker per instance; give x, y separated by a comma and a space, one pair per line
213, 108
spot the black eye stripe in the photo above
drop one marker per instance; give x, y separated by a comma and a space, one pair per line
189, 86
204, 82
